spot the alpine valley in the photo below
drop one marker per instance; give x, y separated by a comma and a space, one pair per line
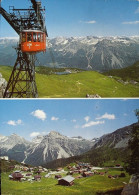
89, 53
45, 149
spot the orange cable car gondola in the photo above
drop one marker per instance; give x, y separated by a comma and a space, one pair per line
33, 41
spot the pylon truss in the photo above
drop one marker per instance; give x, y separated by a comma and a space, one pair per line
22, 80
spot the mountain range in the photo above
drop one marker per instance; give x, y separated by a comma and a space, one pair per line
89, 53
45, 149
107, 150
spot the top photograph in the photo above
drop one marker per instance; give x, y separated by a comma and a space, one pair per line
69, 49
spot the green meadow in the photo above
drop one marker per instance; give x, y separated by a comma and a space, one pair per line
84, 186
77, 85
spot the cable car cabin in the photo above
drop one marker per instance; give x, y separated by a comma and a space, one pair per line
33, 41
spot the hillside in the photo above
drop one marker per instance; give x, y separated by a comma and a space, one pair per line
93, 185
78, 85
127, 74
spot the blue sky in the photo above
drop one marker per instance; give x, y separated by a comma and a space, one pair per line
83, 17
86, 118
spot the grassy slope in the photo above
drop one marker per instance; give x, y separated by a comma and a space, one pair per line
89, 185
127, 74
78, 85
103, 156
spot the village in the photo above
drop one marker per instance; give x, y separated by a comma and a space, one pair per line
74, 177
64, 176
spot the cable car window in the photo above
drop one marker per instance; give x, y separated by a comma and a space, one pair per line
35, 37
29, 37
39, 37
23, 37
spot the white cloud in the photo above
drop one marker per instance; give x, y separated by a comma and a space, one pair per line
92, 123
40, 114
44, 133
53, 118
11, 123
74, 121
88, 22
19, 122
14, 123
34, 134
87, 118
106, 116
131, 22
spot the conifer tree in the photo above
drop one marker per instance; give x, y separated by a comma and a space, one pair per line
133, 144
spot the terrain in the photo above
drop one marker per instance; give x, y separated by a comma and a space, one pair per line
108, 152
77, 84
94, 185
129, 74
89, 53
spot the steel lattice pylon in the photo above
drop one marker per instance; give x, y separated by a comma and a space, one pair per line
22, 80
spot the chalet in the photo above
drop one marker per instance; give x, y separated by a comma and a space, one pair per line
28, 174
76, 171
81, 171
38, 172
87, 174
58, 176
66, 181
24, 169
79, 177
122, 175
118, 165
59, 169
29, 169
37, 177
16, 176
116, 176
70, 173
110, 176
47, 175
45, 170
17, 171
11, 167
102, 173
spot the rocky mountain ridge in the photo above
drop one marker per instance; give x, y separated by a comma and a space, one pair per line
44, 149
117, 139
90, 53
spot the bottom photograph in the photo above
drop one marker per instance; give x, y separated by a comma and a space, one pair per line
69, 146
